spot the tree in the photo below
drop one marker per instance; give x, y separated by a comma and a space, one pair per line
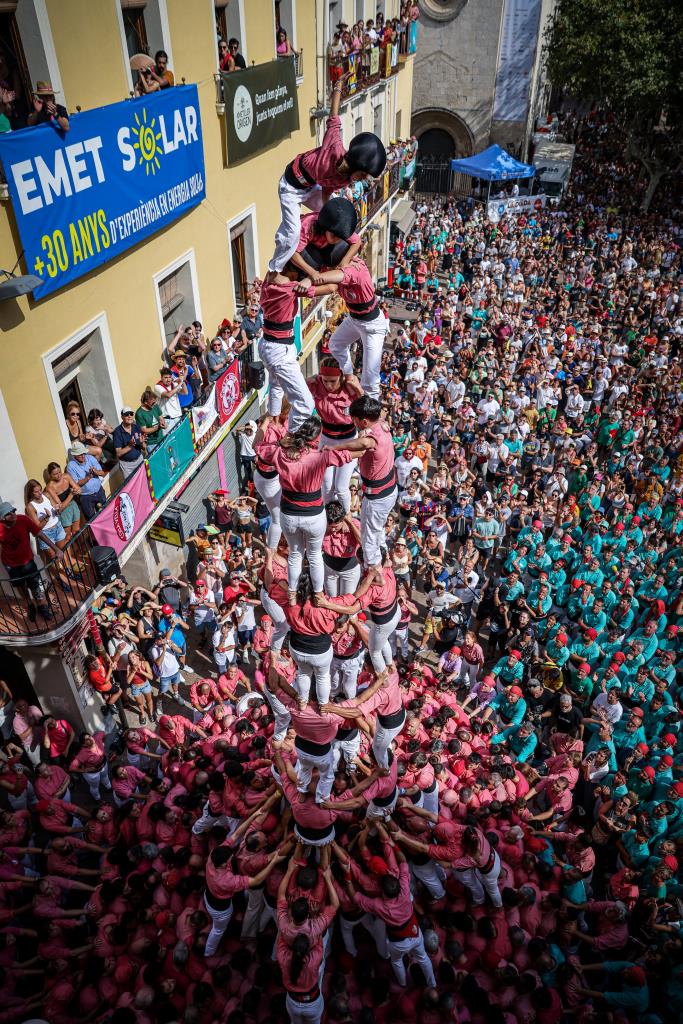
626, 55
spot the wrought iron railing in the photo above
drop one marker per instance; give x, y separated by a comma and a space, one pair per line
45, 599
298, 58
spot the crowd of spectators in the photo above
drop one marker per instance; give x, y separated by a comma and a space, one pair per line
514, 854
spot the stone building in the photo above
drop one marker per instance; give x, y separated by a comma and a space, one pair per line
478, 76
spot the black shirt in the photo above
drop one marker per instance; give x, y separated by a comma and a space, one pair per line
42, 116
239, 61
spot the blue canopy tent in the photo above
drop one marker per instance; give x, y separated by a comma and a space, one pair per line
493, 164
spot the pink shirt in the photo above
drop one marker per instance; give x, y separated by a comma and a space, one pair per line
306, 812
333, 406
357, 287
378, 463
273, 433
388, 699
124, 788
47, 787
312, 725
394, 912
340, 543
303, 475
381, 596
309, 234
280, 305
321, 164
221, 882
312, 621
90, 758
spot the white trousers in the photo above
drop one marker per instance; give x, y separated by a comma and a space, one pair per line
414, 949
280, 626
372, 924
310, 666
285, 378
256, 916
429, 875
349, 748
305, 534
378, 641
383, 739
208, 820
480, 884
220, 919
372, 334
468, 673
304, 769
282, 715
305, 1013
271, 493
288, 234
344, 673
341, 581
97, 779
337, 478
400, 639
373, 518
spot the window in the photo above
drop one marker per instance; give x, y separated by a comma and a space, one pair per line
285, 18
334, 17
28, 52
83, 370
397, 122
358, 124
359, 10
144, 29
378, 120
177, 296
230, 22
242, 257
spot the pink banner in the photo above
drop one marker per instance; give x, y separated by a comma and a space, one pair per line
122, 516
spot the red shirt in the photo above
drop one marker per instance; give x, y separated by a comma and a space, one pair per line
340, 543
377, 463
393, 912
280, 304
16, 541
357, 286
309, 234
332, 406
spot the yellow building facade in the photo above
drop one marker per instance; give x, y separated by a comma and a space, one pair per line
100, 339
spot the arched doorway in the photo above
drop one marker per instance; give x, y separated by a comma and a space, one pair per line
432, 124
437, 142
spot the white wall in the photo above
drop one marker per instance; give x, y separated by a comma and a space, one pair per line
13, 474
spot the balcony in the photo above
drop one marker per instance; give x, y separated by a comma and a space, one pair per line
298, 58
361, 71
64, 588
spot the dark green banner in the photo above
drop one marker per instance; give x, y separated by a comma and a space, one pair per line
261, 107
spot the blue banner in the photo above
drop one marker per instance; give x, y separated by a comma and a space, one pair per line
120, 174
170, 458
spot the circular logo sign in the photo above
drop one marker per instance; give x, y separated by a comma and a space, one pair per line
229, 394
243, 113
123, 516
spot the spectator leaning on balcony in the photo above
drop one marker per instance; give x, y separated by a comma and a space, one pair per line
129, 442
150, 418
16, 555
87, 472
45, 110
161, 71
168, 389
234, 46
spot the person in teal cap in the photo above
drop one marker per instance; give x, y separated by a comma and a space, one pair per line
509, 669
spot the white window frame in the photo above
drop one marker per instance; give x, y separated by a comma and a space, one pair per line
48, 45
187, 257
100, 323
292, 35
243, 29
248, 213
165, 36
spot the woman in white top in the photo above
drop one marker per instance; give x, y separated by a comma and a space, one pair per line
42, 512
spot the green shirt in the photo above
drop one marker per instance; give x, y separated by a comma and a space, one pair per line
150, 418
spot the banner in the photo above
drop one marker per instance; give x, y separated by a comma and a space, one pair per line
81, 198
412, 37
228, 392
122, 517
513, 206
170, 458
204, 416
374, 60
519, 39
261, 107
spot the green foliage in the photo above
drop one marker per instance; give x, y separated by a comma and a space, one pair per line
625, 53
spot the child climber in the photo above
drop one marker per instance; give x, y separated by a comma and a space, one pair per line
319, 171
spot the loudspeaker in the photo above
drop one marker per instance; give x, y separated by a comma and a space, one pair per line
105, 564
257, 375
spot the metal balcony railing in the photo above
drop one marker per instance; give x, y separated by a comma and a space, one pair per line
60, 587
55, 592
298, 58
